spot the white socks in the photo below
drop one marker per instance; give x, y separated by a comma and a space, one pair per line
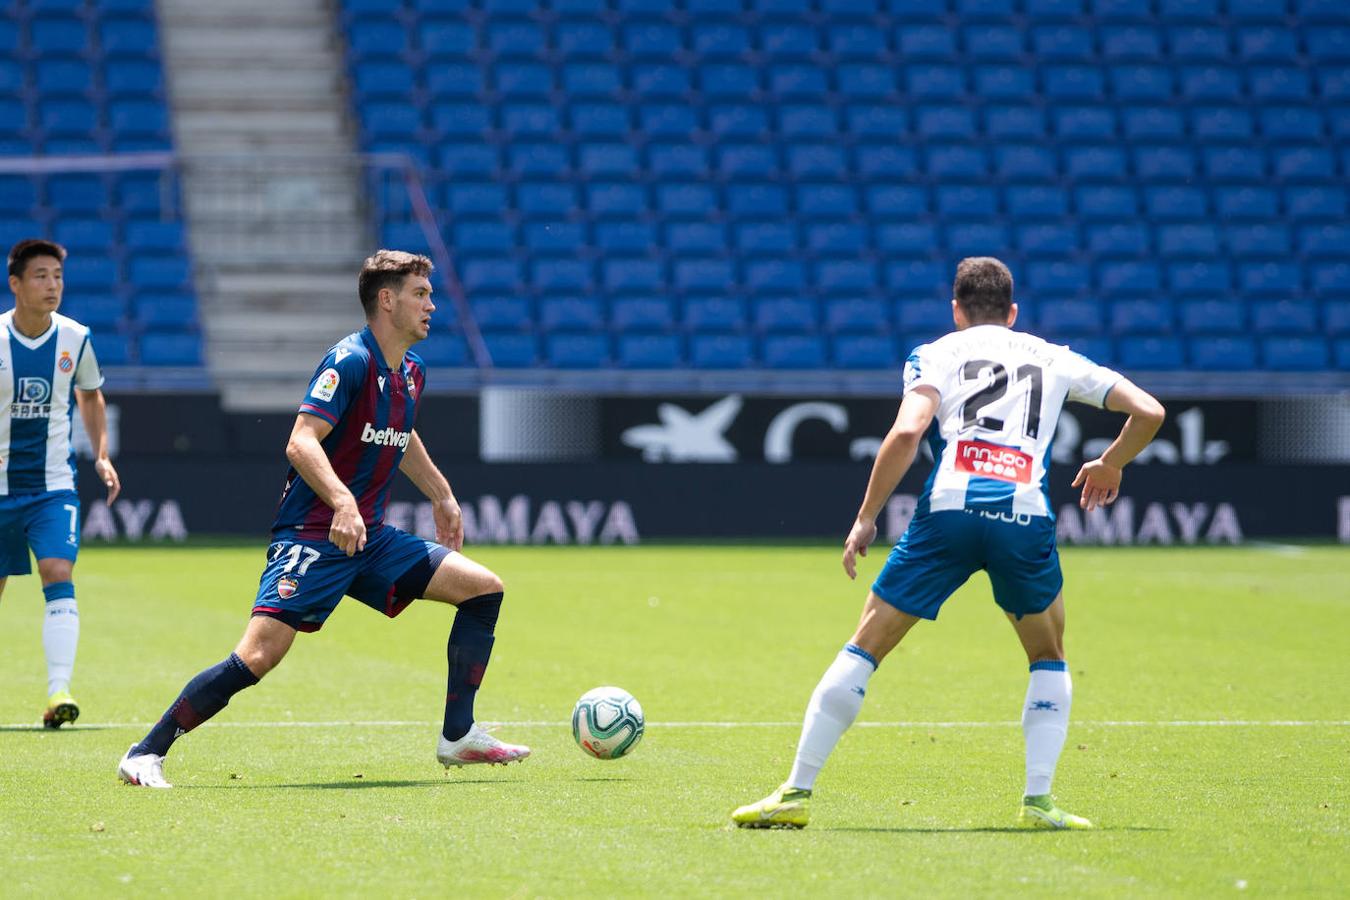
1045, 722
833, 707
60, 635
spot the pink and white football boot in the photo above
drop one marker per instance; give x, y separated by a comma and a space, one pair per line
477, 746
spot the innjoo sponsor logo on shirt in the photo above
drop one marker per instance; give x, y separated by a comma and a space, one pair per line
993, 461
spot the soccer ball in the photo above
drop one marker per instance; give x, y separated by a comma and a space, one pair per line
607, 722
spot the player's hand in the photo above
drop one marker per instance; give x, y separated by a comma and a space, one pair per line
449, 523
1100, 482
108, 475
348, 530
864, 532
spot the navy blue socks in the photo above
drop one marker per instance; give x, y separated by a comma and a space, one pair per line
204, 696
470, 646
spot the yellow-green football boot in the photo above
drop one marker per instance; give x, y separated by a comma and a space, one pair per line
1041, 812
787, 807
61, 708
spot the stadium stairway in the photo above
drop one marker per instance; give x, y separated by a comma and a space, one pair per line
271, 189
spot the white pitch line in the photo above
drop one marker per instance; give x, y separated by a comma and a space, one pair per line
1181, 723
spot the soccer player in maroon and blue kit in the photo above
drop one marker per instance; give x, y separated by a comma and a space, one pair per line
355, 427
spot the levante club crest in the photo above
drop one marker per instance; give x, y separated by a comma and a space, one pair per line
286, 587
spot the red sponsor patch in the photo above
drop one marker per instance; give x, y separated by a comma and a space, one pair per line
286, 587
993, 461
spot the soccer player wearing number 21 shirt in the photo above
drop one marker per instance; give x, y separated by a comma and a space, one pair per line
46, 361
354, 429
987, 399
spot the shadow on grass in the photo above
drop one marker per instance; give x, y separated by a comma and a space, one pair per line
37, 727
1004, 829
354, 784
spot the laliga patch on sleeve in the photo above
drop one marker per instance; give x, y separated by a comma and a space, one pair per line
325, 385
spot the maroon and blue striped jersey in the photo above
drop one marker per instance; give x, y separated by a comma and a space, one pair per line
372, 409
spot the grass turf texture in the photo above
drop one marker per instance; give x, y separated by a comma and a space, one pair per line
729, 634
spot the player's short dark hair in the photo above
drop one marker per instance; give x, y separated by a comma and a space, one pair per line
23, 251
984, 290
387, 269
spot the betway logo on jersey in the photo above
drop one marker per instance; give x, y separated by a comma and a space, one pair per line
993, 461
385, 437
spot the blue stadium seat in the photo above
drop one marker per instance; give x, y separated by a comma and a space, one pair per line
1279, 83
616, 200
1064, 317
1190, 240
130, 77
719, 40
1198, 43
971, 201
491, 275
483, 237
721, 351
61, 35
502, 313
138, 117
1057, 279
794, 351
865, 81
448, 79
68, 117
1329, 44
631, 275
1047, 240
1336, 317
63, 77
166, 312
1170, 203
676, 121
755, 161
1153, 123
976, 239
1147, 353
1004, 82
622, 236
1314, 203
576, 40
1200, 279
1118, 240
696, 238
439, 38
923, 318
77, 193
650, 351
91, 274
1265, 43
1257, 10
957, 163
642, 314
701, 275
112, 349
1141, 82
1223, 353
714, 314
856, 315
537, 159
1216, 316
1122, 10
1262, 239
170, 350
1072, 83
591, 80
694, 200
1130, 42
755, 200
468, 198
953, 122
1088, 123
770, 238
1326, 240
863, 351
1219, 83
667, 160
79, 234
1295, 354
559, 314
512, 350
515, 39
724, 80
443, 349
932, 82
918, 278
1128, 278
384, 79
1014, 122
791, 81
910, 239
1142, 316
1062, 42
1097, 349
550, 199
1270, 278
1285, 317
1025, 163
558, 275
605, 120
836, 239
1222, 123
1095, 163
1246, 203
1341, 354
607, 159
154, 236
1330, 279
651, 39
806, 160
785, 315
578, 351
101, 312
880, 122
561, 237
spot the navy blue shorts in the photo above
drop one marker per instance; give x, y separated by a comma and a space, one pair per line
305, 580
940, 551
48, 522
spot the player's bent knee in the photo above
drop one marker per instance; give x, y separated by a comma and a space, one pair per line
55, 570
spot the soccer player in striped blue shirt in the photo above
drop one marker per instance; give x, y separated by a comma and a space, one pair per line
47, 369
354, 431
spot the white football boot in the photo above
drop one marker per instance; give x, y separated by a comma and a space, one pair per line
477, 746
144, 770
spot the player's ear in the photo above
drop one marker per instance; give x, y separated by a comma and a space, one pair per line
958, 315
1012, 315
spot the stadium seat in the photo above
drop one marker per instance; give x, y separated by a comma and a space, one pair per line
166, 312
797, 351
1300, 354
111, 349
562, 314
578, 351
721, 351
863, 351
1226, 316
1145, 353
714, 314
1142, 317
650, 351
101, 312
170, 349
1285, 316
1061, 317
1223, 353
766, 238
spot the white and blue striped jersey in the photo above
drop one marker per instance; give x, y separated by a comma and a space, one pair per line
38, 378
1001, 394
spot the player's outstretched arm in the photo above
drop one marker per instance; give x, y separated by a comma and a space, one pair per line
94, 414
1100, 478
305, 452
419, 468
893, 461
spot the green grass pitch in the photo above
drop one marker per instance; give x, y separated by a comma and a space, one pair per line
279, 797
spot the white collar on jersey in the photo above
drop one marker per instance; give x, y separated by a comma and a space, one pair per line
30, 343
